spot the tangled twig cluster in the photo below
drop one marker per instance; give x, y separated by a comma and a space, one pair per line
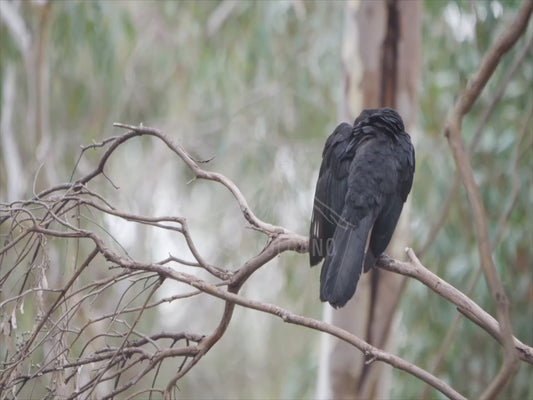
75, 354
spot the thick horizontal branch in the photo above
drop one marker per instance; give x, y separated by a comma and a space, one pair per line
280, 244
371, 353
294, 242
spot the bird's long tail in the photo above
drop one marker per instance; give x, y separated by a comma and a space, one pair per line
344, 261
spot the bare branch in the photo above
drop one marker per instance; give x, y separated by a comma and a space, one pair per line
502, 226
453, 133
370, 351
122, 349
199, 173
464, 304
487, 113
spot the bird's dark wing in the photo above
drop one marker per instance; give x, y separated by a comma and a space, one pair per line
330, 191
368, 181
385, 224
408, 166
383, 229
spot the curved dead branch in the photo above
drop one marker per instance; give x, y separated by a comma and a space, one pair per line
108, 351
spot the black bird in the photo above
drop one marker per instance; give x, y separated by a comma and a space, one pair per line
366, 174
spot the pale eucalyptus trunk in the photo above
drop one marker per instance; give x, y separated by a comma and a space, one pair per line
381, 63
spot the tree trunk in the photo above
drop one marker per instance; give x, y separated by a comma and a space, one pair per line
381, 56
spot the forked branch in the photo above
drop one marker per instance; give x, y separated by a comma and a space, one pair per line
453, 131
121, 356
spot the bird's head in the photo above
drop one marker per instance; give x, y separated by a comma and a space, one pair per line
386, 118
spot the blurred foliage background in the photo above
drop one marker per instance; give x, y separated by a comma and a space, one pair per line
255, 87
